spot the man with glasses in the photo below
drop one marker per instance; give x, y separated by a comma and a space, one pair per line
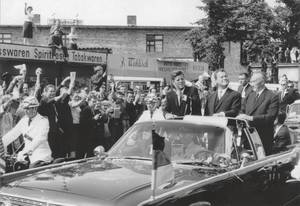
34, 129
260, 108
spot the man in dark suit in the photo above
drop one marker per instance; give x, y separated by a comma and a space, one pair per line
286, 95
244, 88
182, 100
224, 101
282, 136
260, 109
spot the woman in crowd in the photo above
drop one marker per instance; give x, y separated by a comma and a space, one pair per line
28, 24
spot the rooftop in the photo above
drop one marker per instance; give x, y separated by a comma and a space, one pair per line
113, 27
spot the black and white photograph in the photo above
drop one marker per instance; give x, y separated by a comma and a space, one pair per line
149, 103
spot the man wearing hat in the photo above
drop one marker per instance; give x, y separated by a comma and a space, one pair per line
34, 129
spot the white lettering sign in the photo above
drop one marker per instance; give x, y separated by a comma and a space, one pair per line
14, 51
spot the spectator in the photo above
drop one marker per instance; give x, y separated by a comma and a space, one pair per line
286, 95
55, 40
293, 54
74, 104
48, 109
86, 126
280, 55
129, 113
98, 78
282, 135
73, 37
264, 65
152, 111
287, 55
274, 70
28, 24
64, 116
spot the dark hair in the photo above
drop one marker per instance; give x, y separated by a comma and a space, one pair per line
48, 87
281, 117
245, 74
176, 73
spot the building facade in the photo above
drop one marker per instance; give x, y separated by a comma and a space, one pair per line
138, 52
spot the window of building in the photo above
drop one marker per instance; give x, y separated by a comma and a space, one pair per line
154, 43
5, 38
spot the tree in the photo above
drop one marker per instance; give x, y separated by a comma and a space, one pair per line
250, 22
288, 15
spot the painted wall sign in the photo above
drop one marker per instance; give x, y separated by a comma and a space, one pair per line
16, 51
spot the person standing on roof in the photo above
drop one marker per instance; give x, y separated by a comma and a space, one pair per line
28, 24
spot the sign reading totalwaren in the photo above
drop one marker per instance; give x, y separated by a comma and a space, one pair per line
16, 51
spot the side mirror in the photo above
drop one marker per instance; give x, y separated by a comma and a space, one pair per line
99, 151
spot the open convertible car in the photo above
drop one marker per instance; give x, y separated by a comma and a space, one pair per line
216, 161
293, 121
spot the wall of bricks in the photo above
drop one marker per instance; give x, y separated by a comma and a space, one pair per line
122, 40
131, 41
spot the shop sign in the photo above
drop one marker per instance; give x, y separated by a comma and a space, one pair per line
169, 66
15, 51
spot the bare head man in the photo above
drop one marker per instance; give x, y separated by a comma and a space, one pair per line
243, 79
222, 79
258, 81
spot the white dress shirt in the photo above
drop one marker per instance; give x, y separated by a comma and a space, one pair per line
35, 137
244, 91
221, 92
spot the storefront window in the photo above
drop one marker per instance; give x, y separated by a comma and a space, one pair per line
154, 43
5, 38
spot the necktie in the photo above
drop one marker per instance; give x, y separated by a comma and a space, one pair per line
256, 97
282, 94
220, 94
29, 121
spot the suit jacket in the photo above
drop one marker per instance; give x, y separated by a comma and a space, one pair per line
248, 89
190, 104
230, 103
264, 111
288, 98
282, 139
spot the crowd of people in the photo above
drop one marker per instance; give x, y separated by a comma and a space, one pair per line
68, 121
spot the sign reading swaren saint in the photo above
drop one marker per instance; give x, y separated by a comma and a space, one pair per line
16, 51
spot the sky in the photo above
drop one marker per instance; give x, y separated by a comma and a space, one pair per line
107, 12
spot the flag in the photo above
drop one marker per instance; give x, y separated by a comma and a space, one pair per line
162, 171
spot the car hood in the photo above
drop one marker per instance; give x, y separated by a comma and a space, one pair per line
105, 180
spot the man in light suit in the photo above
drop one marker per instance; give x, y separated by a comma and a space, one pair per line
224, 101
182, 100
260, 108
34, 129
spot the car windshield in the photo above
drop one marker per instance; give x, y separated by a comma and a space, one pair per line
294, 109
183, 141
